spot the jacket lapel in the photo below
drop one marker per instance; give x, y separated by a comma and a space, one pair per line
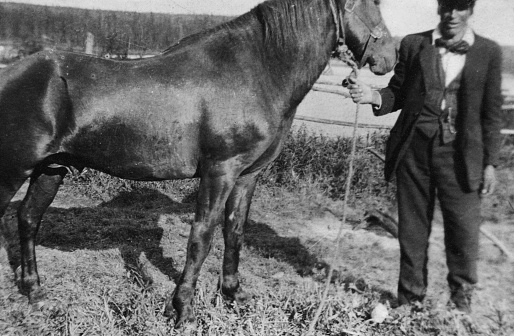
473, 68
428, 59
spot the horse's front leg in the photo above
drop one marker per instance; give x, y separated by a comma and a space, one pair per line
40, 194
212, 195
236, 214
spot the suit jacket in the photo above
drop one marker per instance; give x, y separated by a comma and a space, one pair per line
479, 117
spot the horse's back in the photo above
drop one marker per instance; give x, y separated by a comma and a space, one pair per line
155, 118
169, 113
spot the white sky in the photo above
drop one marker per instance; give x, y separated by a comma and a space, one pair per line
492, 18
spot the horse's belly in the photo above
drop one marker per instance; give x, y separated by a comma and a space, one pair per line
139, 151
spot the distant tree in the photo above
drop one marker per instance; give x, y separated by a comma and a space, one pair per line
67, 27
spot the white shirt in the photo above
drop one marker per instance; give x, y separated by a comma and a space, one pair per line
452, 63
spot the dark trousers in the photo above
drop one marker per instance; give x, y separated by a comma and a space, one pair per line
431, 169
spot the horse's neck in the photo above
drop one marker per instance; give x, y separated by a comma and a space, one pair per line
291, 42
297, 55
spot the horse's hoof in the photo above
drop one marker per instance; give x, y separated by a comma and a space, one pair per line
169, 311
187, 328
37, 297
185, 322
183, 319
241, 297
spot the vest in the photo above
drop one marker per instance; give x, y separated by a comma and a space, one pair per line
433, 120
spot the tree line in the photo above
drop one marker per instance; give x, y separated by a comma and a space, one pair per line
116, 32
33, 27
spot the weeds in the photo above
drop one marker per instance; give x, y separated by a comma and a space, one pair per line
102, 286
324, 160
306, 159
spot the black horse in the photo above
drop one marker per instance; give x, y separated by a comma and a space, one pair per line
217, 106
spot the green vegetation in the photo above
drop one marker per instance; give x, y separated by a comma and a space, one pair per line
33, 27
325, 160
115, 32
307, 158
111, 252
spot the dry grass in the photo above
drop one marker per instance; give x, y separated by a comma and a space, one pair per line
109, 255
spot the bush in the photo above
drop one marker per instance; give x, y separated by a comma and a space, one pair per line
307, 156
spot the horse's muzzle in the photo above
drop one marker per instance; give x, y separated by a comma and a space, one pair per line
379, 65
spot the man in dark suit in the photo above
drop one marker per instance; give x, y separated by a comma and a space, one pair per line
445, 144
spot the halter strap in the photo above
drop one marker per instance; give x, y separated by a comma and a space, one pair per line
338, 20
375, 33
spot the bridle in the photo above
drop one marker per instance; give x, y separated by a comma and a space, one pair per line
375, 33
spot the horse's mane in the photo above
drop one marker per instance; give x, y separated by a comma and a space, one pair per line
280, 21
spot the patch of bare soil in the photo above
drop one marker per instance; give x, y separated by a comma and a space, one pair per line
372, 255
86, 247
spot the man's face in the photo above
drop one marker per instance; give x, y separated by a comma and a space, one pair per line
454, 19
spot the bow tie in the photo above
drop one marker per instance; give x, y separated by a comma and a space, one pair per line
460, 47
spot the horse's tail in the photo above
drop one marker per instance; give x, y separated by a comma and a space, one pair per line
35, 112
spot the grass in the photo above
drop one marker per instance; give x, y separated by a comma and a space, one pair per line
311, 157
114, 249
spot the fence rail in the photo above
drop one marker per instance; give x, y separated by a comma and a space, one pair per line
341, 123
335, 87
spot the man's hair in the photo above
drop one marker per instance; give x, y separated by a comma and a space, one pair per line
457, 3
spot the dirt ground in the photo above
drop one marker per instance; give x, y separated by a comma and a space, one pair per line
86, 244
373, 255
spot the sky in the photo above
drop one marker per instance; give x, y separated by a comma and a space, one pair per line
492, 18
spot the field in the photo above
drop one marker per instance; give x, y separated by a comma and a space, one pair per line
110, 250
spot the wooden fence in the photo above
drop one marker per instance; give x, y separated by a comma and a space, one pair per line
335, 87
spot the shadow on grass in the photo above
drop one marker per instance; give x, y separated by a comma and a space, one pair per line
130, 222
265, 241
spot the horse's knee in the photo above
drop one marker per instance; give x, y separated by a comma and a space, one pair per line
27, 225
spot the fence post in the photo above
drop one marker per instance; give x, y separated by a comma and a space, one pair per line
90, 43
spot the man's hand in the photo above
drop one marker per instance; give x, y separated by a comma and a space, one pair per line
489, 180
362, 93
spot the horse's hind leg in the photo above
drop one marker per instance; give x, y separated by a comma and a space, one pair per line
236, 214
40, 194
8, 188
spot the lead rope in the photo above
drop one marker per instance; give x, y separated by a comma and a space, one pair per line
355, 73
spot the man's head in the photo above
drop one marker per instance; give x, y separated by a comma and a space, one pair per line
454, 16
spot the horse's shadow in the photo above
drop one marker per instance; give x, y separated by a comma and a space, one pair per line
265, 241
136, 229
116, 224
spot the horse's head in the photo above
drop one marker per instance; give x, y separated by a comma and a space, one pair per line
366, 35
